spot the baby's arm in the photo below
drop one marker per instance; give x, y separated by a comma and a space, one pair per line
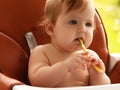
43, 75
97, 78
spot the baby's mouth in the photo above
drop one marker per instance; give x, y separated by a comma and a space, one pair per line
78, 40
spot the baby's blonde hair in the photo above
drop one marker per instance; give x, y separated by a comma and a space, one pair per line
53, 8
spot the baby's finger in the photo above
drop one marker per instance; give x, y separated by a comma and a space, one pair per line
98, 64
83, 57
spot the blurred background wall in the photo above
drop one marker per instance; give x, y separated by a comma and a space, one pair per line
110, 13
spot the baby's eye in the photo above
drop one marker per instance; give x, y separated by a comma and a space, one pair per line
88, 24
72, 22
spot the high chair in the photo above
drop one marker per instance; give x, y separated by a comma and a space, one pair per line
19, 30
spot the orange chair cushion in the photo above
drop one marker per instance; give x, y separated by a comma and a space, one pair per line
13, 61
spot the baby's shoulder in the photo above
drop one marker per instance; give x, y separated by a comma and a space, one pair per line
41, 48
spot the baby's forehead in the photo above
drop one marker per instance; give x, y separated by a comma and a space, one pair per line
78, 7
86, 11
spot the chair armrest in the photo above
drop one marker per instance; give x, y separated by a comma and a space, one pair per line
114, 70
7, 83
114, 58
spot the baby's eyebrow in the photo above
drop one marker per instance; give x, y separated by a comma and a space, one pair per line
90, 20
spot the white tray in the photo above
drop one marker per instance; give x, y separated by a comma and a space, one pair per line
100, 87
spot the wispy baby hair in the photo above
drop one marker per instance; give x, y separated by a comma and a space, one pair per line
53, 7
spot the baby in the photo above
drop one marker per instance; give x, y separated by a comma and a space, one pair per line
62, 62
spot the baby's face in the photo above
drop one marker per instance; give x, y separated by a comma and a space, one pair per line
72, 26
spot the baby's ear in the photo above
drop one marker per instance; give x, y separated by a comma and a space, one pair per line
49, 28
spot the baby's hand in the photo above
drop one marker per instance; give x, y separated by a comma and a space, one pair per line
95, 61
77, 60
97, 65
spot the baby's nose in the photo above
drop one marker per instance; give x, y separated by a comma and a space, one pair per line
81, 29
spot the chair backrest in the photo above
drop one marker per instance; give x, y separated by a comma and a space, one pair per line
17, 17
